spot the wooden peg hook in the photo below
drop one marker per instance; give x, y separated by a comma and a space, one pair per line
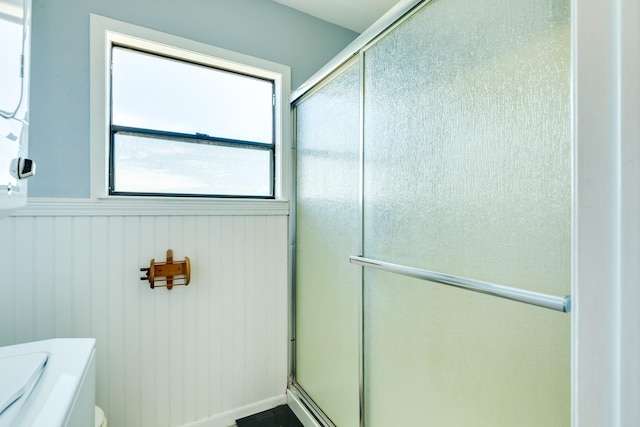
167, 272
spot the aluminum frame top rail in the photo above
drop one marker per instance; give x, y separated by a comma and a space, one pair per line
562, 304
384, 22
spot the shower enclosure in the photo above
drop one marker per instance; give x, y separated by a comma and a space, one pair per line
441, 150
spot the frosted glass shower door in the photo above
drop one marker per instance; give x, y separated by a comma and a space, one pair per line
467, 172
327, 287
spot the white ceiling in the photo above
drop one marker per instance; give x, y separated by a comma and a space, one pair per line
356, 15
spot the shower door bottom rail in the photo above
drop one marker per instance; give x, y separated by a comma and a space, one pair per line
562, 304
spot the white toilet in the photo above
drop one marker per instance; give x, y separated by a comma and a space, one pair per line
48, 384
101, 420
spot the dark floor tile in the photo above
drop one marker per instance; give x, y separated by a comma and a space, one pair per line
280, 416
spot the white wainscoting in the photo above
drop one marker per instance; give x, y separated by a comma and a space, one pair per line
164, 358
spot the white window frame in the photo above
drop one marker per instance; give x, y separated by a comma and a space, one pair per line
105, 32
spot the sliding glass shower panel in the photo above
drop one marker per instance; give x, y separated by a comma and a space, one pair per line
327, 287
467, 171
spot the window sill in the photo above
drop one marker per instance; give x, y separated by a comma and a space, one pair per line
151, 206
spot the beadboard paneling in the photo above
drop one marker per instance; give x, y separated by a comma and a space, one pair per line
164, 358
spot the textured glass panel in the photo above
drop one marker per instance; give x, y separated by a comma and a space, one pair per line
327, 286
151, 165
467, 172
153, 92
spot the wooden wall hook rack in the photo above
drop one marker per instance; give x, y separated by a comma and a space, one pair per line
167, 272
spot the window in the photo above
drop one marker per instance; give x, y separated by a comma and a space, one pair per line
174, 117
181, 128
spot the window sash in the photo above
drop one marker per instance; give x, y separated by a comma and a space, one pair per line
188, 139
198, 138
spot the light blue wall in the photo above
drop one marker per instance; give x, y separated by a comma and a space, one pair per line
59, 134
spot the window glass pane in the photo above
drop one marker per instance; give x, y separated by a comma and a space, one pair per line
10, 55
150, 165
13, 93
154, 92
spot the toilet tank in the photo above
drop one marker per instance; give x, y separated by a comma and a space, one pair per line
15, 165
